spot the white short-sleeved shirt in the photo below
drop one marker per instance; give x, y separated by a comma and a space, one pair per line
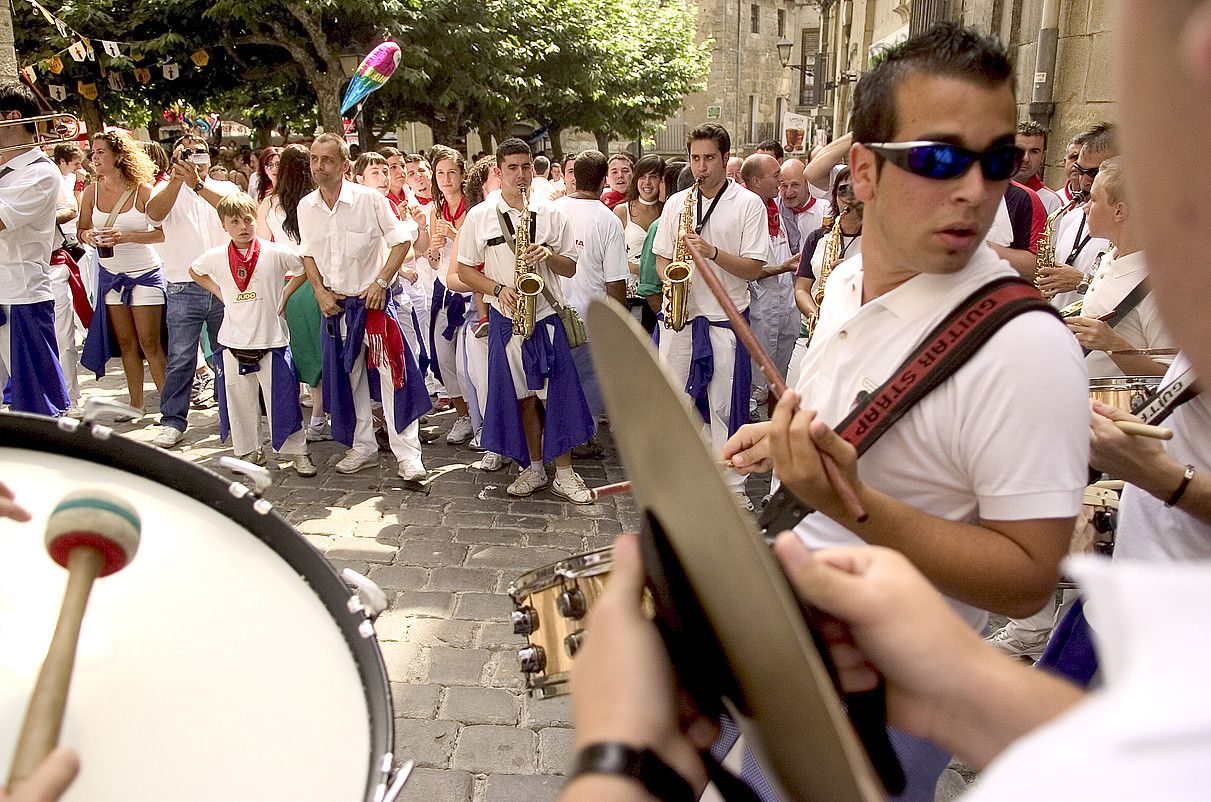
1066, 240
1142, 326
1005, 438
482, 239
191, 227
601, 254
29, 196
738, 225
1147, 529
250, 317
67, 200
350, 241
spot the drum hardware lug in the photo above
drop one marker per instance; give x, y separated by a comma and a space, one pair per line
68, 425
525, 621
100, 432
573, 642
571, 603
260, 478
369, 597
1104, 521
533, 659
385, 793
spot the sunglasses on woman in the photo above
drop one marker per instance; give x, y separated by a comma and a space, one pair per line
943, 161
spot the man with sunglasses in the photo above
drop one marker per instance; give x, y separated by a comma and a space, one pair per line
1077, 251
980, 482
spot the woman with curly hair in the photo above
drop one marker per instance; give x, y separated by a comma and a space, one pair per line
278, 220
130, 286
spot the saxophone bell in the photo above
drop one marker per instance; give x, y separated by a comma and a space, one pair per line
678, 273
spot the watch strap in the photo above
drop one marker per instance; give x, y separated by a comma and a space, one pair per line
1181, 489
498, 289
641, 765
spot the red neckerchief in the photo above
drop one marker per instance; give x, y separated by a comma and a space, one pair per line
395, 206
396, 200
811, 201
445, 210
612, 198
422, 201
773, 217
243, 265
386, 345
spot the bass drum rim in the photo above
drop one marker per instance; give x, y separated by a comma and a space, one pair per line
99, 444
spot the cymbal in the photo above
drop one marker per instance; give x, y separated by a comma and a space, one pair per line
795, 724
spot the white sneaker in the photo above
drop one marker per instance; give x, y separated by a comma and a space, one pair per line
492, 461
573, 489
319, 431
474, 443
411, 470
1004, 640
529, 480
760, 395
304, 467
353, 462
167, 437
461, 431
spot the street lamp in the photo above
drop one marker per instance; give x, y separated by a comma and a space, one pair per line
784, 50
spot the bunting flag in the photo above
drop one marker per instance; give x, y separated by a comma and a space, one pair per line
115, 81
29, 74
57, 92
136, 55
88, 50
88, 91
171, 71
111, 49
78, 51
200, 57
55, 64
143, 75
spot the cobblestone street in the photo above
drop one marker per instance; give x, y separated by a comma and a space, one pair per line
445, 559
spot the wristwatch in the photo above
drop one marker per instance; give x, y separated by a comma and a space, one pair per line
497, 289
199, 186
382, 282
641, 765
1083, 287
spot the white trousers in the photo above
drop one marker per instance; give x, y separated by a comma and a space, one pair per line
448, 356
676, 348
244, 407
65, 332
475, 359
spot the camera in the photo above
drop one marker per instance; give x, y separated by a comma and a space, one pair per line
195, 155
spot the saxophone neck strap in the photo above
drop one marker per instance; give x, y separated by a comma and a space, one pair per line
509, 231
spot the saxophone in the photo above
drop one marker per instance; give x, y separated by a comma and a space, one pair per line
832, 251
1046, 253
679, 271
528, 284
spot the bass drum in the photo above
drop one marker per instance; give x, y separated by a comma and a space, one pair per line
225, 662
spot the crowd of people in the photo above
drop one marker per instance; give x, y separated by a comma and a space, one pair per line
380, 283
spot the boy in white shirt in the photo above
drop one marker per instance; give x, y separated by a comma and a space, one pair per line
248, 275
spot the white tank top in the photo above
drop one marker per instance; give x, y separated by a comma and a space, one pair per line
275, 219
129, 257
634, 236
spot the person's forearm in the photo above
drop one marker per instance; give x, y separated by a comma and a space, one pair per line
994, 701
967, 562
313, 274
1024, 262
604, 788
739, 266
1161, 477
152, 237
421, 246
476, 280
293, 285
618, 291
1138, 364
805, 303
561, 265
210, 196
65, 215
207, 283
395, 260
162, 202
819, 170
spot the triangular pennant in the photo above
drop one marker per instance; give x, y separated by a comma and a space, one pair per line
111, 48
143, 75
200, 57
55, 64
49, 17
57, 92
29, 74
88, 91
136, 55
171, 71
115, 81
78, 51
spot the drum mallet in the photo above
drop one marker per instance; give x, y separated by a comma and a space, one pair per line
90, 533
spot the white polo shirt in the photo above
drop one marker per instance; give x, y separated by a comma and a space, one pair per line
1147, 529
738, 226
67, 200
1005, 438
191, 228
250, 316
1142, 326
601, 253
482, 239
1066, 240
29, 196
350, 241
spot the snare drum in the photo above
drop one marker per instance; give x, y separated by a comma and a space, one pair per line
550, 604
227, 661
1128, 393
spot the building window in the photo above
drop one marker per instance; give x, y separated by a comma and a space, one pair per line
756, 18
809, 49
781, 23
753, 111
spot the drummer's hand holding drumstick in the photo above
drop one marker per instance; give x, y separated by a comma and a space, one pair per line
1096, 334
49, 782
623, 688
9, 508
1143, 462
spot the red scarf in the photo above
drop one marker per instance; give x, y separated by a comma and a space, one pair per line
395, 206
243, 265
386, 345
423, 201
773, 217
811, 201
612, 198
396, 200
445, 210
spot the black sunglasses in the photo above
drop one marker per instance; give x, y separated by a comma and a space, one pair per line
1088, 172
943, 161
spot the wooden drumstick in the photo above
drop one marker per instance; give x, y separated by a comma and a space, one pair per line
1144, 430
777, 385
91, 534
619, 488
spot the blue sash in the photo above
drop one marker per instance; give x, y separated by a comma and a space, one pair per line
1071, 652
702, 371
455, 304
341, 352
100, 345
35, 376
286, 416
547, 360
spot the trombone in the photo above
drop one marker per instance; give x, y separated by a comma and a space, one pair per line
51, 129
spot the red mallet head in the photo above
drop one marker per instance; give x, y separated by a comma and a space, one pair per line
96, 519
